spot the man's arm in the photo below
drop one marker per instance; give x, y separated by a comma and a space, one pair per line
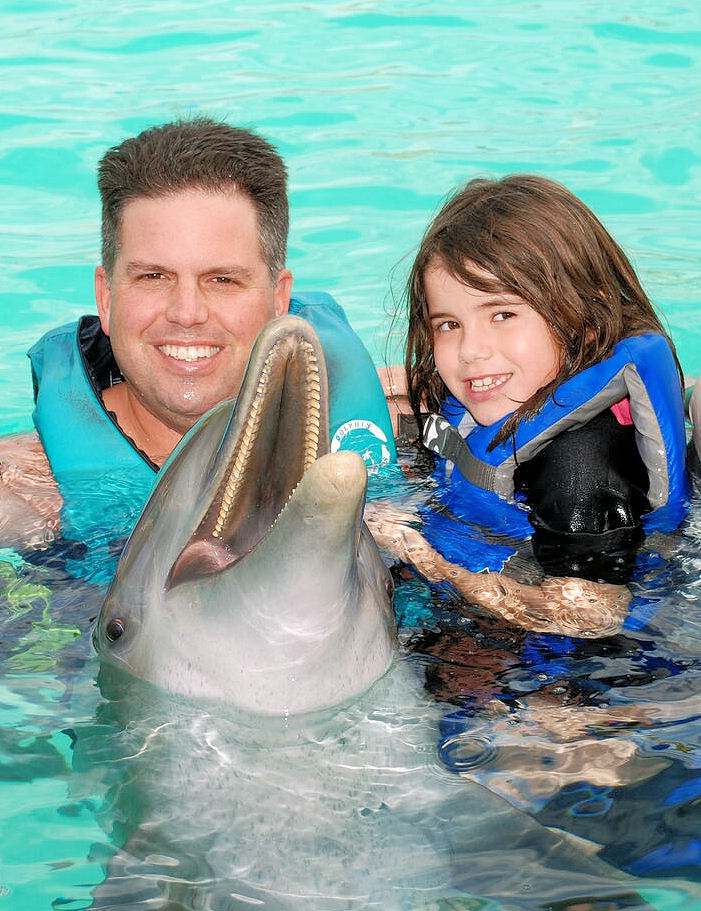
394, 384
30, 503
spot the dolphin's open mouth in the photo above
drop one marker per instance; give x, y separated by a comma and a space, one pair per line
279, 428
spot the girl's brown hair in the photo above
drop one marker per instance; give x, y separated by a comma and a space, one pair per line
537, 240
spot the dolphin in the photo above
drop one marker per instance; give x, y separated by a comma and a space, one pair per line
250, 577
276, 762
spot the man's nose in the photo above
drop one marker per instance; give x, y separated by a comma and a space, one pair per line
187, 305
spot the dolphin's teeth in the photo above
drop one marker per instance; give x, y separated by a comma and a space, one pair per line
250, 432
286, 503
248, 436
313, 431
313, 428
232, 484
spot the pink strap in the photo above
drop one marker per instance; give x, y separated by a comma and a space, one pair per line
621, 411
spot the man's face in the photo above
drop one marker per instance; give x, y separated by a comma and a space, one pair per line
189, 293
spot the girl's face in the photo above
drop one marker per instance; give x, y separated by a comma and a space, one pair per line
492, 350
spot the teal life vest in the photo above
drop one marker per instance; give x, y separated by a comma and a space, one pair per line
105, 480
358, 415
480, 483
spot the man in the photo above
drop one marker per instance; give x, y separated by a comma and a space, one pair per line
194, 236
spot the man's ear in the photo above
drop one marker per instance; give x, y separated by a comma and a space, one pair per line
283, 292
103, 298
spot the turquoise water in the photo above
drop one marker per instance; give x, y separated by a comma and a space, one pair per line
379, 108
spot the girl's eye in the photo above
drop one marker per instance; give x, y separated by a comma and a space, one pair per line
446, 326
503, 315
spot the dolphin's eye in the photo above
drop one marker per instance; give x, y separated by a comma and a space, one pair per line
114, 629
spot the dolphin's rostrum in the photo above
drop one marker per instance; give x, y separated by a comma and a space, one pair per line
250, 576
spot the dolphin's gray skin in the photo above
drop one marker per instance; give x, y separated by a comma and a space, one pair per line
250, 577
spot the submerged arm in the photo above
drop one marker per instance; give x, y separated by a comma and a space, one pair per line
30, 502
564, 606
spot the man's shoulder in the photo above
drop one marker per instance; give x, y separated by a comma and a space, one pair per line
305, 302
64, 331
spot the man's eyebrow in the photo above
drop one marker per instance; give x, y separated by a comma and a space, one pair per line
242, 272
137, 266
234, 271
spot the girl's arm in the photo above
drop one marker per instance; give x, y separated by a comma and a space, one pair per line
563, 606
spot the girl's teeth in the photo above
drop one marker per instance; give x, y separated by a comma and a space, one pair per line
486, 382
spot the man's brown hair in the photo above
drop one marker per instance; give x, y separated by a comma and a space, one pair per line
200, 154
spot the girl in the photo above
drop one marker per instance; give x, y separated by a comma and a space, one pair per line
554, 393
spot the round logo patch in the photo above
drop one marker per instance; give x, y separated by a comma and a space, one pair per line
364, 437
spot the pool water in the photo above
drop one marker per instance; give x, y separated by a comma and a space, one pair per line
379, 109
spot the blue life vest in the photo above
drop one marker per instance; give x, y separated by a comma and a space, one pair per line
480, 485
105, 480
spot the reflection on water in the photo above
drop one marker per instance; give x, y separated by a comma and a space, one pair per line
401, 800
601, 739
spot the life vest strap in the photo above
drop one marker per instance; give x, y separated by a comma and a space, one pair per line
445, 440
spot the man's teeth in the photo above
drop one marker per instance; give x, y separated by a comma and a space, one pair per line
188, 352
485, 383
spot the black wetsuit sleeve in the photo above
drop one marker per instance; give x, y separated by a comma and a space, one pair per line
587, 493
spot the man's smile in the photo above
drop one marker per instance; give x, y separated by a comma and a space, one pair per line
189, 352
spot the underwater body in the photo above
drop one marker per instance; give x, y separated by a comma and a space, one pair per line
345, 783
454, 797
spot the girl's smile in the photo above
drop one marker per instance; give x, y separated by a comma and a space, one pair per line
487, 383
492, 350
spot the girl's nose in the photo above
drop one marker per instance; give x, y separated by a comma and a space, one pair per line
474, 346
